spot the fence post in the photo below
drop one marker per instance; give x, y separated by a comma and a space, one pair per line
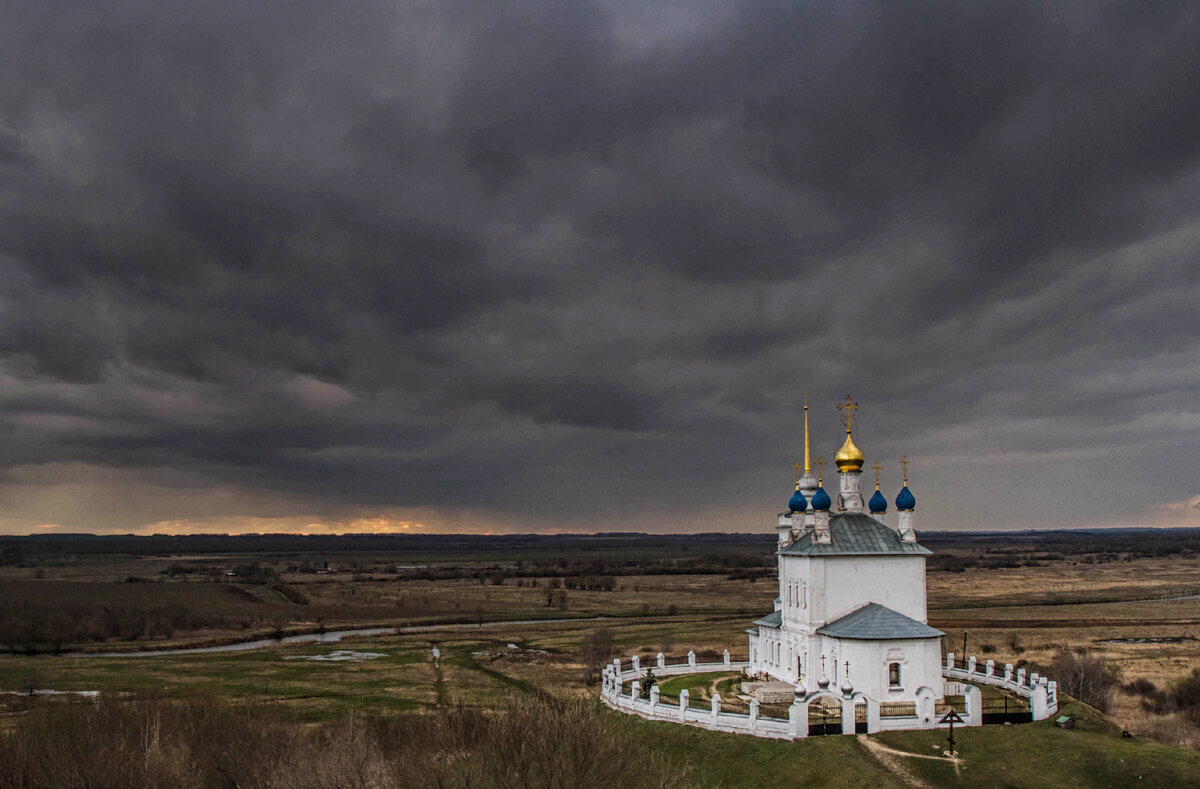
974, 703
753, 714
971, 665
848, 722
727, 658
684, 698
1039, 707
1020, 676
653, 697
716, 705
662, 661
1008, 672
991, 668
798, 719
637, 662
691, 658
949, 660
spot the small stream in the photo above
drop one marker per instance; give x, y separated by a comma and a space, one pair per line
328, 637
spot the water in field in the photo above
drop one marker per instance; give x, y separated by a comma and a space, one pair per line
328, 637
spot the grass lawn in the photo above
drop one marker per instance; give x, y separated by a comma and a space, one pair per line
1027, 755
698, 686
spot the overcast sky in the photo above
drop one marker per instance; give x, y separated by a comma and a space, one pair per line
569, 266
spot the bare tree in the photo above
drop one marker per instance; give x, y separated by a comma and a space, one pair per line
1084, 676
597, 649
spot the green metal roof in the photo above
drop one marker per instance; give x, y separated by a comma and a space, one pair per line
855, 534
874, 621
774, 619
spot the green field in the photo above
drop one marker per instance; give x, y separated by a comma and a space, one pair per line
297, 707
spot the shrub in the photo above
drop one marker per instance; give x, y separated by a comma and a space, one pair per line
1186, 696
1086, 677
533, 742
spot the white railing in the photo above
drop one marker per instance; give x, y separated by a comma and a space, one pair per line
1041, 692
1042, 695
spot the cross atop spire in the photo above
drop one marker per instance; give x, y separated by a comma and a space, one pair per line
796, 467
877, 468
848, 407
904, 461
820, 470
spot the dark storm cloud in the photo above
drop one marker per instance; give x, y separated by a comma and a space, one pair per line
577, 260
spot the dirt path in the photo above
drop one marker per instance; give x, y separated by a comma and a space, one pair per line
891, 760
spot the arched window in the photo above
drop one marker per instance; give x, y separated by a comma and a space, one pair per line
894, 675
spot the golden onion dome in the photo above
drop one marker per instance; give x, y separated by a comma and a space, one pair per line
849, 457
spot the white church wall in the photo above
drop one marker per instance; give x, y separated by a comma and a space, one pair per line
841, 584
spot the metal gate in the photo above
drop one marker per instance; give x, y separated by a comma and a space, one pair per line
824, 720
860, 718
1002, 708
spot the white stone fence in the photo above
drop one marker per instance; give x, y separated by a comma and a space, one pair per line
1042, 695
1041, 692
656, 708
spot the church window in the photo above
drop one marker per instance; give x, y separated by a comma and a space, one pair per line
804, 595
894, 675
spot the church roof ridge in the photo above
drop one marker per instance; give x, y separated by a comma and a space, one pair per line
855, 534
875, 621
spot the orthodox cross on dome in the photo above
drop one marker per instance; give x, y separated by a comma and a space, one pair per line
904, 461
820, 469
877, 468
796, 468
848, 407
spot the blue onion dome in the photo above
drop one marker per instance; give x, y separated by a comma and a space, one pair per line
821, 501
797, 503
877, 503
906, 500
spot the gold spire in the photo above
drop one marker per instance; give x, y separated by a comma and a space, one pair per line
807, 456
877, 468
849, 457
904, 461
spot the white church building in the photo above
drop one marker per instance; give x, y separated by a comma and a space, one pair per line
849, 629
850, 616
